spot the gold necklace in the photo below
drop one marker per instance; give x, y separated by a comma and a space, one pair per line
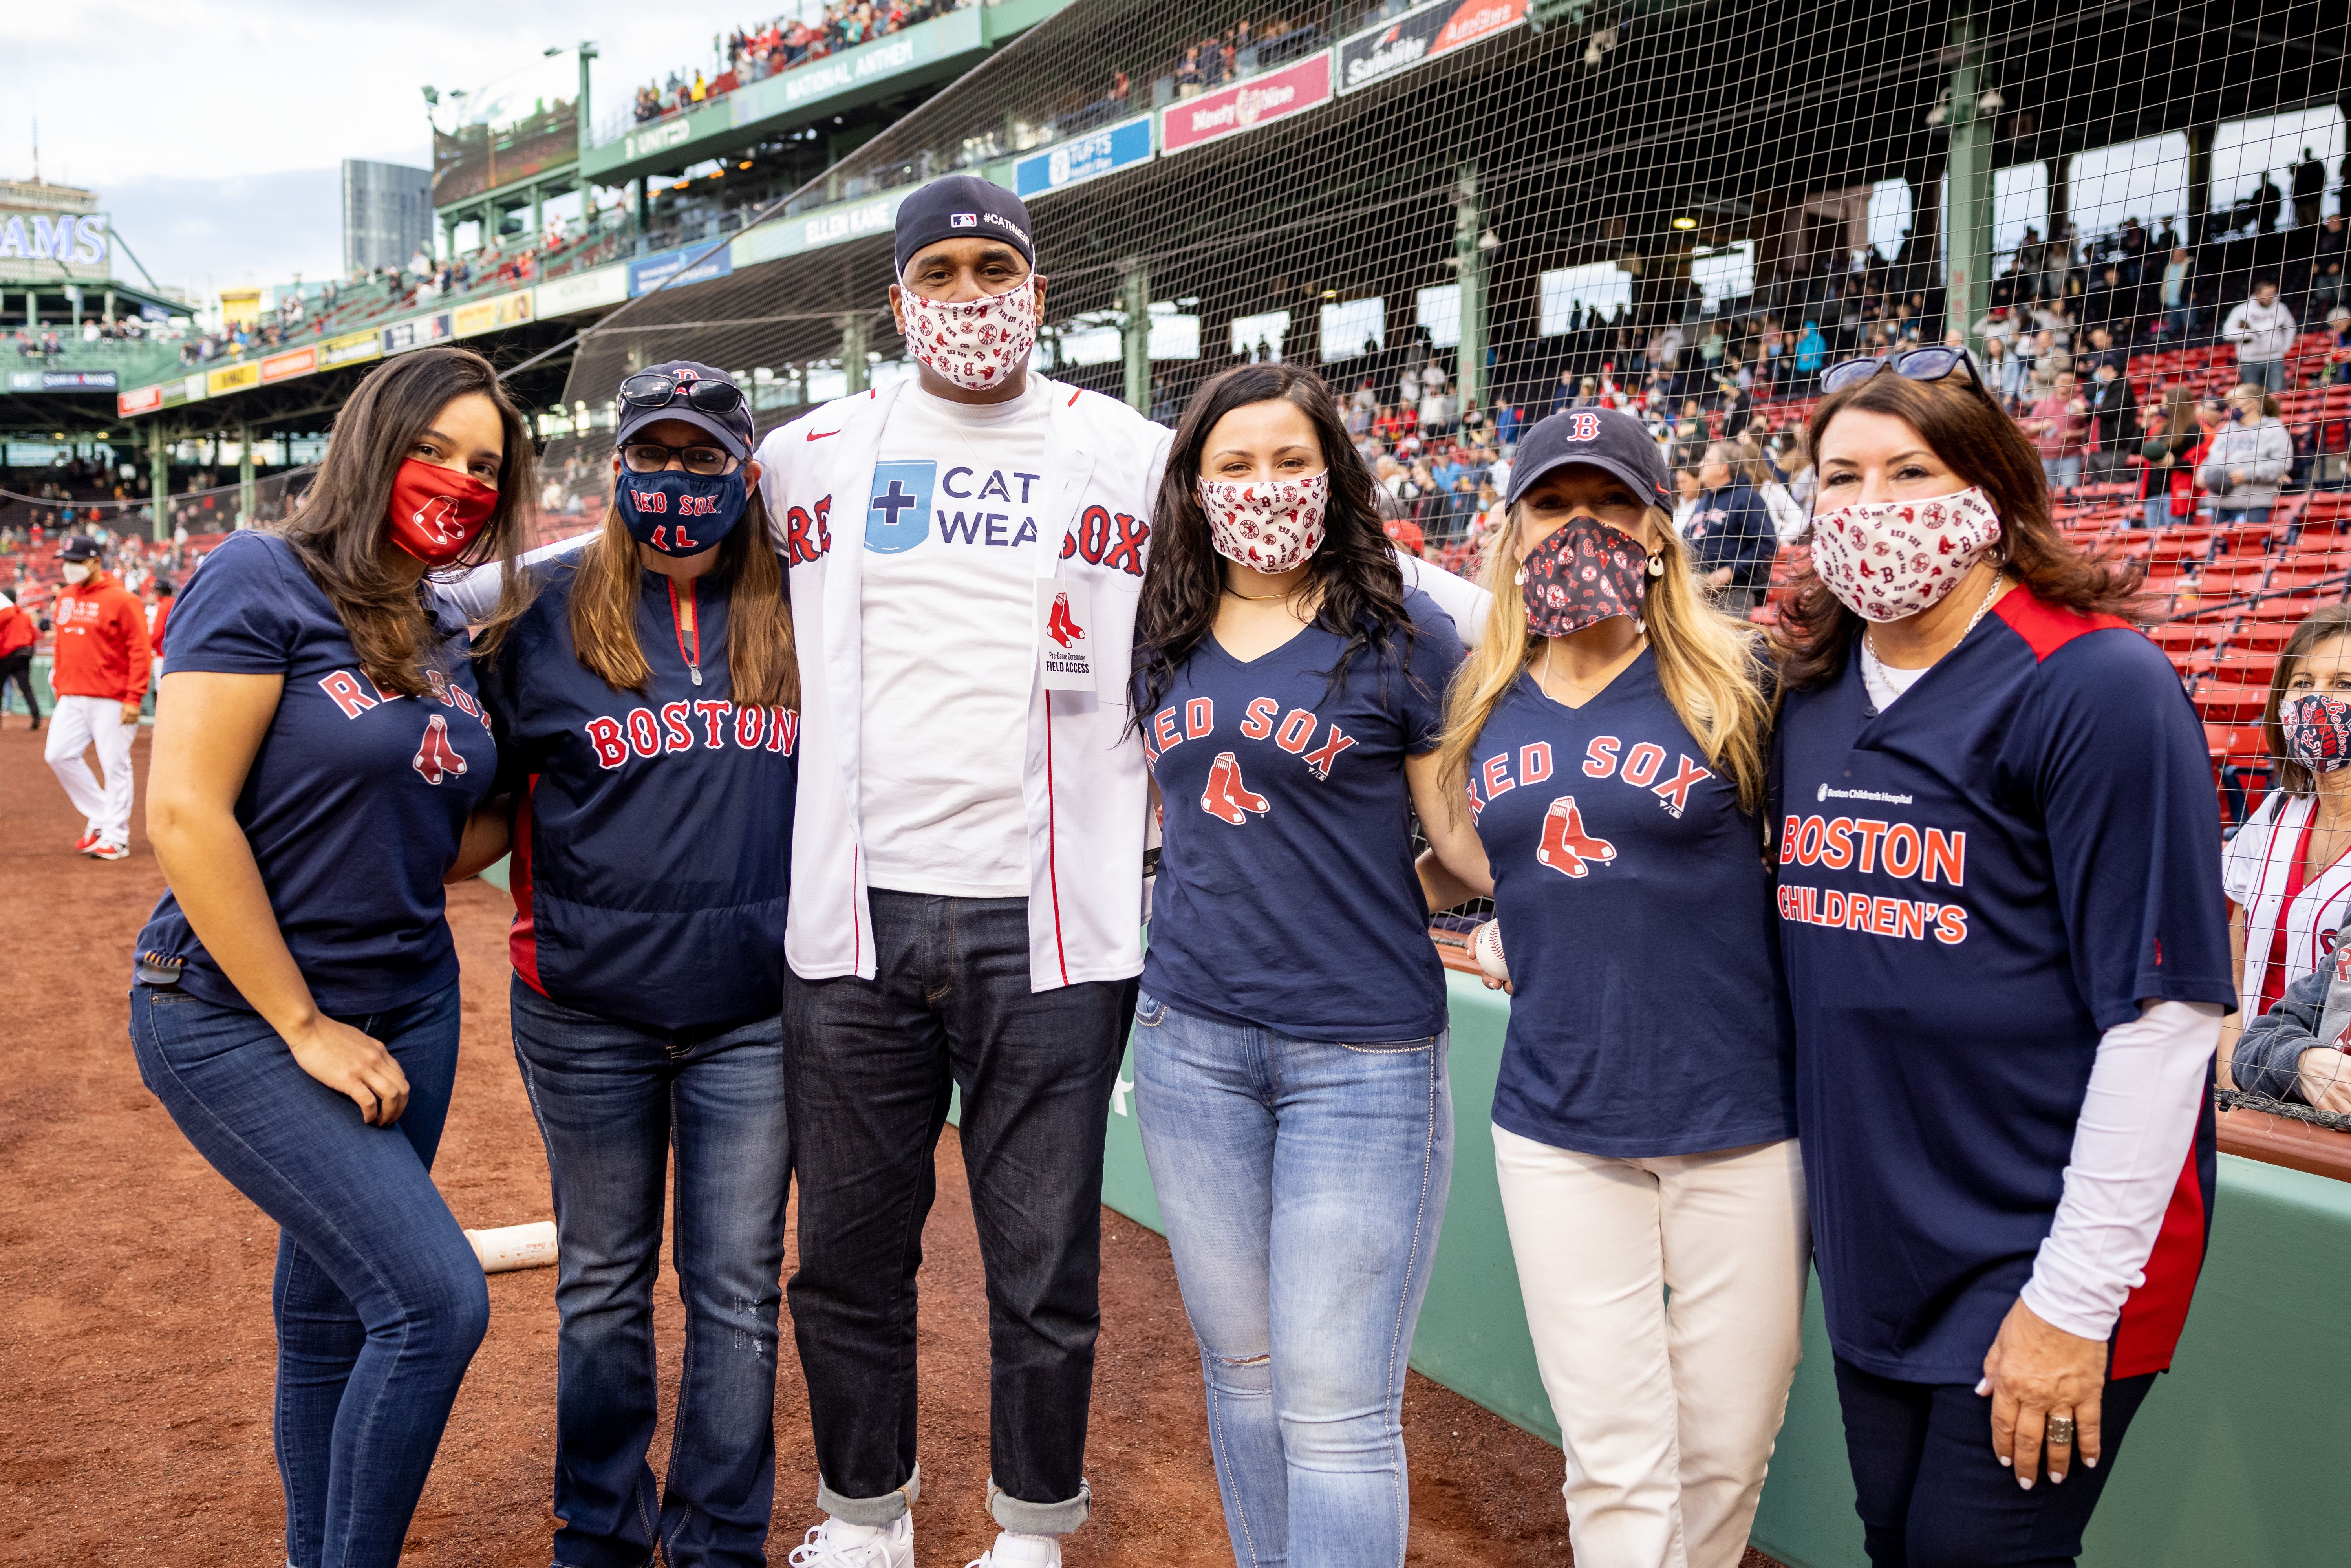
1869, 641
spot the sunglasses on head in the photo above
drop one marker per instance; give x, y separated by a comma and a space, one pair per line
656, 389
1930, 364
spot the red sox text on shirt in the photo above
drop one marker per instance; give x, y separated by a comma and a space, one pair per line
1883, 848
1102, 537
1293, 731
1604, 757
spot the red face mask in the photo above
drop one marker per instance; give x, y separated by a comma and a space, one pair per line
435, 511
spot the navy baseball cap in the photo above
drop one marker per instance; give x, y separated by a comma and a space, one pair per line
730, 427
79, 547
962, 206
1605, 438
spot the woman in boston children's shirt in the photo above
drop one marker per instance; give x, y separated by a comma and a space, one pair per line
1290, 1034
322, 767
2288, 870
647, 708
2008, 960
1606, 739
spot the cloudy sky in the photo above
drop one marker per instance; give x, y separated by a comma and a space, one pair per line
214, 132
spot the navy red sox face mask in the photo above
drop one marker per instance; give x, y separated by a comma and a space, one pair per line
679, 513
2317, 729
1579, 574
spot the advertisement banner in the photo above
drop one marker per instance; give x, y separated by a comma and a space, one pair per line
1083, 158
231, 378
416, 332
351, 349
1421, 34
826, 225
488, 315
1260, 100
520, 125
146, 400
292, 363
649, 273
582, 292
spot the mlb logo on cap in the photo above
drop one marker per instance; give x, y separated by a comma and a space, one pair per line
963, 220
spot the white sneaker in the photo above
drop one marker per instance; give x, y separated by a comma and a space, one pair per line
837, 1543
1014, 1551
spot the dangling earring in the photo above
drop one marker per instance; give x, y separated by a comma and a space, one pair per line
1657, 564
1520, 580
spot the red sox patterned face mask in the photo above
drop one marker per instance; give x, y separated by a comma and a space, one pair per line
2317, 728
975, 343
1579, 574
1268, 528
1887, 561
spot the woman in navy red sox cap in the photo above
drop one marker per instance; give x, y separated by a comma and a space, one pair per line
1606, 739
648, 706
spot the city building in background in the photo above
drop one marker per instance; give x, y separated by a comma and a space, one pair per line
387, 214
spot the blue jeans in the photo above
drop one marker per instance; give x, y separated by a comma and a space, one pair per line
1303, 1185
868, 1068
2178, 321
1931, 1495
613, 1101
2267, 374
2062, 473
2157, 510
379, 1301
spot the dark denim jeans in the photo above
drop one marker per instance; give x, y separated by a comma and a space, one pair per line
868, 1067
613, 1099
379, 1300
1931, 1495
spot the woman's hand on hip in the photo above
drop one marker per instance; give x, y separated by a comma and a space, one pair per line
353, 1063
2033, 1371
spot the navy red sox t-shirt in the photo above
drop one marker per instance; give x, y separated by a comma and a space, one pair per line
1286, 897
357, 797
1647, 1016
1974, 885
653, 834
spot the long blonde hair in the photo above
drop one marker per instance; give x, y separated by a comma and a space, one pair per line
1708, 664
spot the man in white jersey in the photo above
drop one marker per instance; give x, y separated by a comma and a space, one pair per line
965, 553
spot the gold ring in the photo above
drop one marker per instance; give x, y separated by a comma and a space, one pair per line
2060, 1433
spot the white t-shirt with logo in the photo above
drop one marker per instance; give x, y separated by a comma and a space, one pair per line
948, 605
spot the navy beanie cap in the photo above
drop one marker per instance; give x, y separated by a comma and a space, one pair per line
962, 206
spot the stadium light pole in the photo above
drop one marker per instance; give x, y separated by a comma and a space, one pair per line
158, 483
1469, 268
1968, 179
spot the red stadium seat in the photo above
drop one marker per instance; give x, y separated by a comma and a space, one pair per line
2297, 574
2176, 546
2232, 579
2262, 636
2230, 705
2238, 667
2248, 538
2291, 610
2179, 638
2235, 742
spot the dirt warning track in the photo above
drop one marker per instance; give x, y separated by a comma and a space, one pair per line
135, 1342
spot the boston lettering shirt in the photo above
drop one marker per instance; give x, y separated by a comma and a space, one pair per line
652, 846
357, 797
1647, 1015
1974, 885
1286, 898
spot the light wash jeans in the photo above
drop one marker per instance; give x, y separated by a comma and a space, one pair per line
2062, 473
1303, 1185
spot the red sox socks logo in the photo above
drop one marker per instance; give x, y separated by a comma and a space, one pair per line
435, 759
1058, 625
1566, 848
1227, 797
437, 520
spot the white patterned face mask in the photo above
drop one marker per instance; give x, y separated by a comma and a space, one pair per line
975, 343
1271, 527
1887, 561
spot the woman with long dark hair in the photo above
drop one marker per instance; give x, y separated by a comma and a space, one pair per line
646, 706
322, 765
1291, 1030
2006, 951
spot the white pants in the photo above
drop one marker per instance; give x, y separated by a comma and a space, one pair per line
1667, 1408
82, 722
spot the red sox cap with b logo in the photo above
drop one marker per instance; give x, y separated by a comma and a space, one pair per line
1605, 438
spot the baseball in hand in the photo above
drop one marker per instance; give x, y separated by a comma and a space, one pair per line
1486, 944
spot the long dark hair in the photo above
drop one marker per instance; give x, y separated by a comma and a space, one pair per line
2327, 622
1360, 587
1985, 448
337, 530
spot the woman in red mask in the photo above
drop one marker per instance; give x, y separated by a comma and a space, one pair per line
321, 767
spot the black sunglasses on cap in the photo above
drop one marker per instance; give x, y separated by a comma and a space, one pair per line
1930, 364
653, 388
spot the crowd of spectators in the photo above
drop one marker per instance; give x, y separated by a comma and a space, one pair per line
754, 54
